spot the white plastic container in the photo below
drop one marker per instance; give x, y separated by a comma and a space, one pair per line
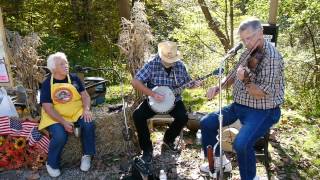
198, 136
162, 175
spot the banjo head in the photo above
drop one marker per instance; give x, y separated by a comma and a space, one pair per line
167, 104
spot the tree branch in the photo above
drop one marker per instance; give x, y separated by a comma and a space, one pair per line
214, 25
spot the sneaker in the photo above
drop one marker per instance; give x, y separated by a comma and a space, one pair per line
227, 167
205, 168
85, 163
170, 146
52, 172
256, 178
147, 157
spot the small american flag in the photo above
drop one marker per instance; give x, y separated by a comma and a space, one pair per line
37, 139
10, 126
27, 127
44, 143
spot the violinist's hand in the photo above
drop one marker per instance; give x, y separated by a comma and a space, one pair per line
240, 73
158, 97
212, 92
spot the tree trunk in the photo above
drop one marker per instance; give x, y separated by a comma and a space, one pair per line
214, 25
273, 12
226, 19
86, 6
317, 63
81, 12
124, 8
231, 40
231, 23
76, 13
291, 40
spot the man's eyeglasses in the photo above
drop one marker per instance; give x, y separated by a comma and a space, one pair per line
249, 38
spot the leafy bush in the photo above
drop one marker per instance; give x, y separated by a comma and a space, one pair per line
301, 88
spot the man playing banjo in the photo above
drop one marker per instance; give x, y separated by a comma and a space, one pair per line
165, 69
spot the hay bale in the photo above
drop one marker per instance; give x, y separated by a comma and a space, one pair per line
109, 138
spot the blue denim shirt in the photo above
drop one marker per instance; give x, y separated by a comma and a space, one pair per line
154, 74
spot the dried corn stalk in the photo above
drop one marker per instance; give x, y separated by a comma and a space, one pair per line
26, 61
135, 38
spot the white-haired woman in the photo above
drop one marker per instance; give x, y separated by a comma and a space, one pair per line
65, 102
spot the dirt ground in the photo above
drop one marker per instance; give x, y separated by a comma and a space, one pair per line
184, 165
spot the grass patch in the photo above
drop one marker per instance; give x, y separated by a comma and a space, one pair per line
196, 100
113, 94
299, 140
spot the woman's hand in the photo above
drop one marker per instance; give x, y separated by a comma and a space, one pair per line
68, 126
87, 115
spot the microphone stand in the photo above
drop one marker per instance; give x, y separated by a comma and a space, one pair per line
221, 67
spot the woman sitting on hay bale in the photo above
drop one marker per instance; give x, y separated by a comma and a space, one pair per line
65, 102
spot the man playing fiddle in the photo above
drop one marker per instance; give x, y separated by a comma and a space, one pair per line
257, 99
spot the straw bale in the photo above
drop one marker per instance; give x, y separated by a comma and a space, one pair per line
109, 138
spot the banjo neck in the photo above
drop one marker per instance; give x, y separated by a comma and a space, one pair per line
179, 89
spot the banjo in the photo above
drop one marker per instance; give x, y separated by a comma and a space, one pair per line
167, 104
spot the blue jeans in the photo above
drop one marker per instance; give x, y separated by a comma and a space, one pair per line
255, 124
59, 138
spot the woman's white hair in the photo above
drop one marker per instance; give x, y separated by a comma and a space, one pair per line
51, 61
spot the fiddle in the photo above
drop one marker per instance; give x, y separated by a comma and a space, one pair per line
254, 60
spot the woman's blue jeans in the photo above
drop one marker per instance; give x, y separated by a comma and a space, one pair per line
255, 124
59, 138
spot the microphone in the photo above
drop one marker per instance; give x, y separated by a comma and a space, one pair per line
235, 49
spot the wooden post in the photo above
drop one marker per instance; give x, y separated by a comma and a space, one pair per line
5, 70
273, 12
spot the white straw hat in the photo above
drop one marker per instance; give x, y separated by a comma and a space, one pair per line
168, 51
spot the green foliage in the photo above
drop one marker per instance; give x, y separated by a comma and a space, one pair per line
193, 99
183, 21
114, 93
88, 34
88, 31
301, 94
